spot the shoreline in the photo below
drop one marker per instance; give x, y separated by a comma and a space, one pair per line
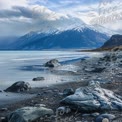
52, 95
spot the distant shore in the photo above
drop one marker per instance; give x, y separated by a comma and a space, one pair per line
103, 49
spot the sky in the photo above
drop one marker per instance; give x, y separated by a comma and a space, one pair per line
18, 17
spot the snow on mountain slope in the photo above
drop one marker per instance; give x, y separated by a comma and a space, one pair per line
70, 33
70, 38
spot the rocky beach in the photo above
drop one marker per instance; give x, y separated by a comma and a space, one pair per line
60, 61
93, 95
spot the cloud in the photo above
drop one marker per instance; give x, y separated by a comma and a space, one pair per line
25, 19
22, 16
9, 3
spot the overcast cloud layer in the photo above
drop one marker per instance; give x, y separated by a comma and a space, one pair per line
18, 17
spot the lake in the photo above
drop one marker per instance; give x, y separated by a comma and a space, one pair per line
25, 65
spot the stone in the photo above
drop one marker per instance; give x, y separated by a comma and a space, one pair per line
1, 91
4, 109
3, 119
38, 79
93, 98
52, 63
19, 86
105, 118
109, 58
83, 59
28, 114
85, 115
95, 114
68, 91
63, 110
95, 69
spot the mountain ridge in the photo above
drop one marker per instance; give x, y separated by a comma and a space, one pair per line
73, 36
114, 41
68, 39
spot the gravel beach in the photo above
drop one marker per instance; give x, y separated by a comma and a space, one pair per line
96, 69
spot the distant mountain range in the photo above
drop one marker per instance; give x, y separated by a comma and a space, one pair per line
73, 36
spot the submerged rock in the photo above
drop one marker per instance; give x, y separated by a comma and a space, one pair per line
28, 114
52, 63
19, 86
38, 79
93, 98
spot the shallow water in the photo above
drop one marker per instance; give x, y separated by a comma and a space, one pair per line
25, 65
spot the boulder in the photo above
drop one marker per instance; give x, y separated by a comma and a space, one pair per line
52, 63
68, 91
19, 86
105, 118
93, 98
28, 114
38, 79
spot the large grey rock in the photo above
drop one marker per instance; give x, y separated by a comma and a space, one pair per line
93, 98
28, 114
52, 63
19, 86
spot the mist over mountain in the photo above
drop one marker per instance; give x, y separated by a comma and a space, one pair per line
66, 34
5, 42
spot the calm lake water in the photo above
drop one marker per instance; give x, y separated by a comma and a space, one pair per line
19, 65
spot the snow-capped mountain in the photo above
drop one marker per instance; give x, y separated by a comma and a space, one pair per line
70, 33
72, 37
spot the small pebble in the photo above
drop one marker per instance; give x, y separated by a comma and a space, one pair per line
105, 120
95, 114
41, 99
